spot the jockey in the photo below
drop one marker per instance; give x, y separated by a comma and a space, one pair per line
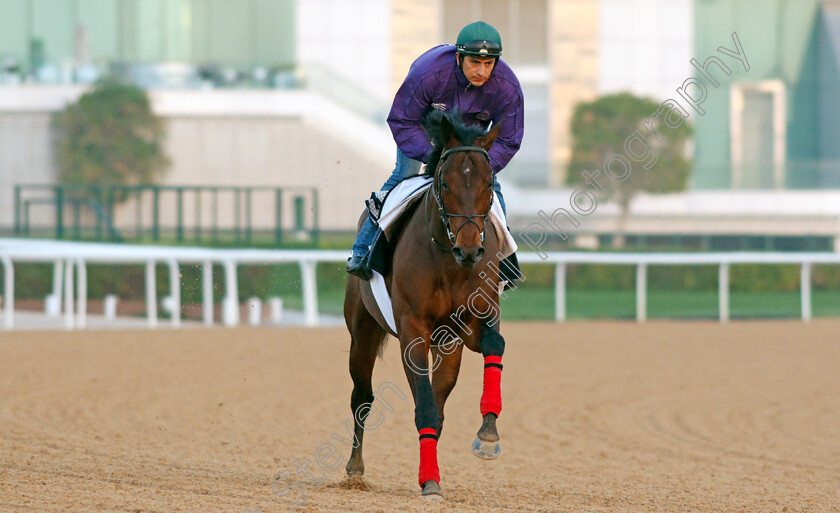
468, 77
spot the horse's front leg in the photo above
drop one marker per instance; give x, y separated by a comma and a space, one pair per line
447, 364
486, 444
414, 345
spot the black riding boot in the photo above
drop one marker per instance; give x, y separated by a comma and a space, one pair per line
510, 271
358, 265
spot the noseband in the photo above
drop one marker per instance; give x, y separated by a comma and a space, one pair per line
442, 213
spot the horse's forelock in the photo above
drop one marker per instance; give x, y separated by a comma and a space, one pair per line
465, 134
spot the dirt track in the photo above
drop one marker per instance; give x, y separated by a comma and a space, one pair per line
606, 417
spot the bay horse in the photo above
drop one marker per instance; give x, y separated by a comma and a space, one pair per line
442, 300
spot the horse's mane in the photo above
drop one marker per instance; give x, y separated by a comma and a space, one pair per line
466, 134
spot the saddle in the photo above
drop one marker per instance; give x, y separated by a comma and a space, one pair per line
388, 211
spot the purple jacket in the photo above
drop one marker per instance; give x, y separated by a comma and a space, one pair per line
436, 81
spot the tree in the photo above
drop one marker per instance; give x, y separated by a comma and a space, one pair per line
110, 137
600, 130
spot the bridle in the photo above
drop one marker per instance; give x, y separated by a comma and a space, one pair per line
442, 213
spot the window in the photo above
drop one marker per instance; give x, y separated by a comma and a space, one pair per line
100, 19
14, 29
757, 127
178, 20
149, 42
50, 25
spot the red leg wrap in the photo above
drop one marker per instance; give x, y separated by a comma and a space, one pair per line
491, 399
428, 456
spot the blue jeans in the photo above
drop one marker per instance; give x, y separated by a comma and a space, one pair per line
405, 167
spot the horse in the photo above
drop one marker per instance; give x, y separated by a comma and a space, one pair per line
442, 299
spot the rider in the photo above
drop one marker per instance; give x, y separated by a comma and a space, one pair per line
468, 77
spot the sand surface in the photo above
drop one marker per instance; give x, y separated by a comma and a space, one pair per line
598, 417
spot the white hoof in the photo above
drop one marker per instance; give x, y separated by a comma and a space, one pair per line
486, 450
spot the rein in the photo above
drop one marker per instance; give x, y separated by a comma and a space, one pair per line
443, 214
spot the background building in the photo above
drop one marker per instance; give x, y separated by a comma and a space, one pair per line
352, 54
51, 38
243, 105
286, 93
563, 51
774, 127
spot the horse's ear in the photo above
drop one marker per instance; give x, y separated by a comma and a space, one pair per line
486, 140
448, 137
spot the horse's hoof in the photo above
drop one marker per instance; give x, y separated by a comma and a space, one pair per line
355, 469
486, 450
431, 491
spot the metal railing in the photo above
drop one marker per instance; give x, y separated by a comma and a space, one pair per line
69, 257
642, 261
195, 214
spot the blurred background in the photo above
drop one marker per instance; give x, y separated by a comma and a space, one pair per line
266, 128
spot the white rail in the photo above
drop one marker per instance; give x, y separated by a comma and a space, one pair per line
75, 255
71, 259
643, 260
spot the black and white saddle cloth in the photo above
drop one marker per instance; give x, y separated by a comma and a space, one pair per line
375, 204
388, 208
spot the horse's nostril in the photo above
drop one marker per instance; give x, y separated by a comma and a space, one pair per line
467, 256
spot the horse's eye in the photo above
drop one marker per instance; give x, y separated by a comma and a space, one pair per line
444, 185
489, 186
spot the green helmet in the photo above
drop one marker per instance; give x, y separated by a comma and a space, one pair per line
479, 39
